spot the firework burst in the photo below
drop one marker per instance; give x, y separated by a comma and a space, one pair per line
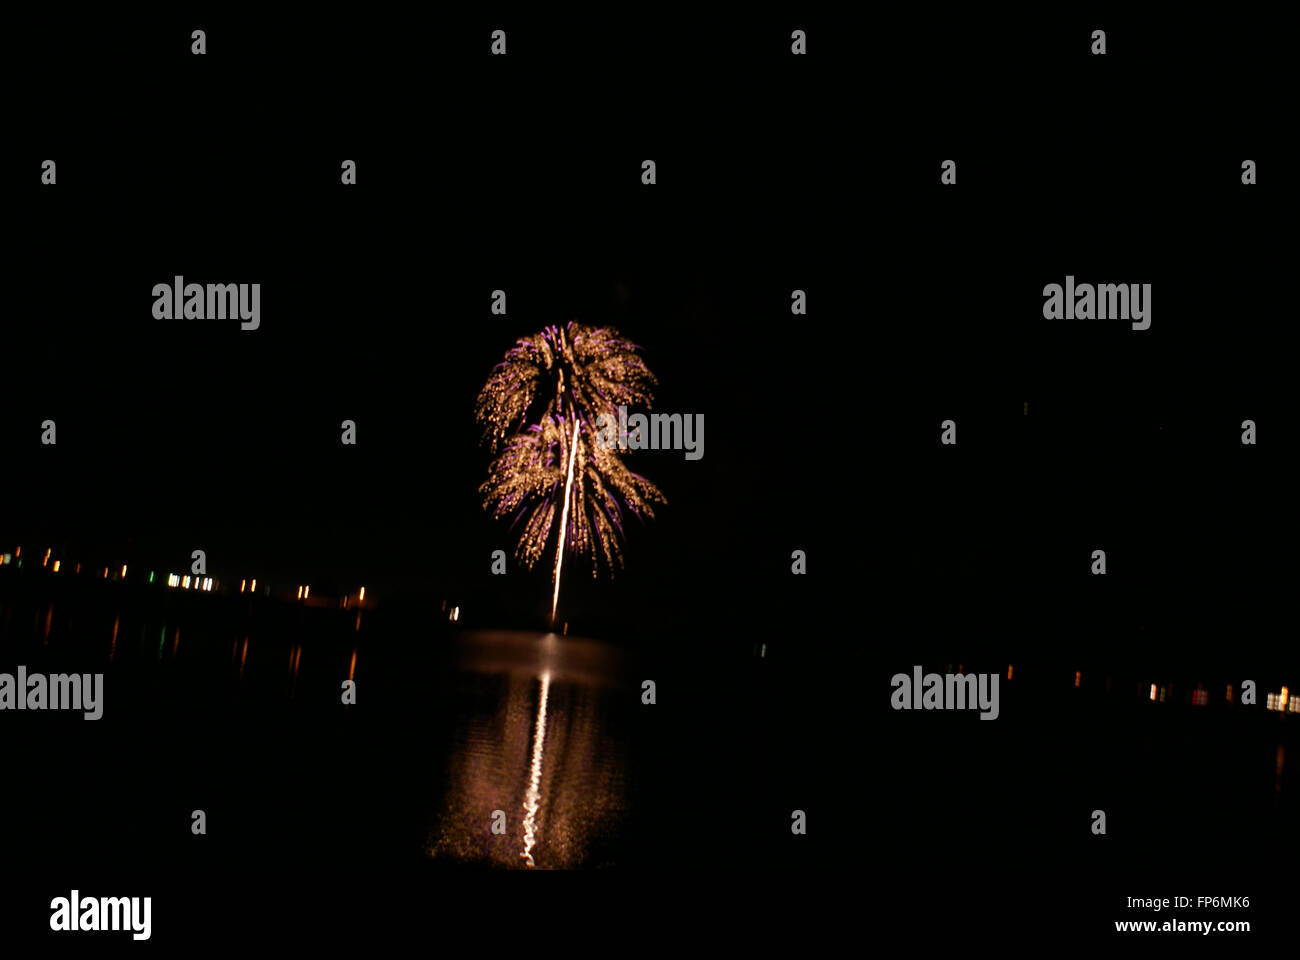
539, 410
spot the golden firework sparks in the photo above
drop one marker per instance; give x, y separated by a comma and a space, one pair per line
538, 411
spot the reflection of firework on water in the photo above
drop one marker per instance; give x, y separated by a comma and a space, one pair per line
551, 388
533, 798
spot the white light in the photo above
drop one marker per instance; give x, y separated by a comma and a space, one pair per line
532, 798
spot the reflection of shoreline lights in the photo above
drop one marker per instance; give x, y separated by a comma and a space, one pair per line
532, 800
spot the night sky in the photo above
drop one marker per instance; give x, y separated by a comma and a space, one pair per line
775, 173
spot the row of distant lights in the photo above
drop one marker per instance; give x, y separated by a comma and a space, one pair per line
188, 583
1282, 702
7, 558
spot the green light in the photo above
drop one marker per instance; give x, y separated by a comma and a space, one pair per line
151, 576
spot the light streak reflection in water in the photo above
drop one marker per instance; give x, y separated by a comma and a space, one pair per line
533, 796
538, 741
